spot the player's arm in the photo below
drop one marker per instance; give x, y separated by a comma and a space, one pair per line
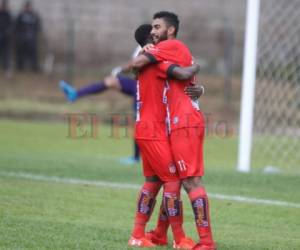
151, 54
125, 68
147, 56
131, 66
164, 54
135, 64
141, 61
183, 73
172, 70
168, 69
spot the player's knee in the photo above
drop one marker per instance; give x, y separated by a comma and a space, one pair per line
112, 82
152, 178
191, 183
187, 186
172, 186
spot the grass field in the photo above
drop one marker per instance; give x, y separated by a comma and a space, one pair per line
38, 211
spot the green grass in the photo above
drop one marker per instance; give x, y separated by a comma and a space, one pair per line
280, 152
48, 215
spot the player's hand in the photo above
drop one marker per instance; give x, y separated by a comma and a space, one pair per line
148, 47
195, 91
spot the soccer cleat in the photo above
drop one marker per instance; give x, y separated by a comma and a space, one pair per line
69, 91
157, 239
142, 242
200, 246
185, 243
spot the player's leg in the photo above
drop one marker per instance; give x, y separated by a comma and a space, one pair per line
128, 87
173, 206
136, 153
147, 153
162, 163
92, 89
200, 205
25, 55
72, 94
159, 235
145, 205
7, 59
145, 202
133, 94
4, 54
33, 56
19, 56
187, 147
132, 159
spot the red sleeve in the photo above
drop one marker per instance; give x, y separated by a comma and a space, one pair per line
164, 69
164, 51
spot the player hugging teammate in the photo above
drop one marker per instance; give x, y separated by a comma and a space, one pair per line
170, 133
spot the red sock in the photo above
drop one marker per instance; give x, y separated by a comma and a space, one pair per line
199, 200
162, 222
173, 207
145, 205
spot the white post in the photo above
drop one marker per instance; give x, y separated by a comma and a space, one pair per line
248, 88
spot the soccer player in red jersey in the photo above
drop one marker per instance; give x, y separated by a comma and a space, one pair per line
158, 164
186, 123
118, 81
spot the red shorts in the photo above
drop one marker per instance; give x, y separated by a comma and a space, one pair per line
157, 159
187, 149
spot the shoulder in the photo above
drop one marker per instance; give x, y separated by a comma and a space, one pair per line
171, 44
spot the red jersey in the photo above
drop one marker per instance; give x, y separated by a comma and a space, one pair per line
151, 111
181, 110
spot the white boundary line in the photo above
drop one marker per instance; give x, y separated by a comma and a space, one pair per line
74, 181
